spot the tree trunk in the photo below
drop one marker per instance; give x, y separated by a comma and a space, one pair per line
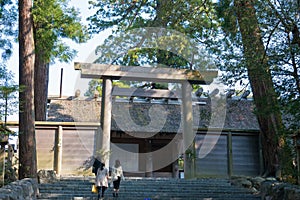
41, 76
265, 98
27, 143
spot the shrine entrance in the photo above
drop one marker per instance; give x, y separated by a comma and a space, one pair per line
181, 143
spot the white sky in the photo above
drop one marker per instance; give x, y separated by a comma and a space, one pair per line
71, 78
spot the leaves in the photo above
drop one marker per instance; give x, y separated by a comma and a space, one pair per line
8, 93
54, 21
8, 28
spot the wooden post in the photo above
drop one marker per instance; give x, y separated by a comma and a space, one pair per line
188, 135
106, 107
298, 165
149, 161
296, 138
261, 157
229, 154
58, 153
176, 152
3, 142
2, 164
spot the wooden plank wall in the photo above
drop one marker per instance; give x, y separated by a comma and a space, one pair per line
245, 151
78, 144
215, 162
77, 147
45, 148
235, 153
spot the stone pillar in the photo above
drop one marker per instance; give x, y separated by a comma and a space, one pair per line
188, 134
106, 108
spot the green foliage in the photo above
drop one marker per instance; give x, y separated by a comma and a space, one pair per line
8, 29
8, 93
191, 16
193, 19
228, 46
96, 85
54, 21
155, 33
287, 161
279, 24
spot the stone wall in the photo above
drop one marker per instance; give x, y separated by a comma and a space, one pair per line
268, 188
274, 190
26, 189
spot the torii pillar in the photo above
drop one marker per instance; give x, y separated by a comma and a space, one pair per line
106, 109
169, 75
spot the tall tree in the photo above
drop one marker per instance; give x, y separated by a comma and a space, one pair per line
8, 31
260, 78
54, 20
281, 23
196, 19
274, 22
27, 143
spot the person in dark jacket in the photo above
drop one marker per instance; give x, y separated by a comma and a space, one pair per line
97, 164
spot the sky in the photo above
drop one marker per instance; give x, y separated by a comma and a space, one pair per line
71, 78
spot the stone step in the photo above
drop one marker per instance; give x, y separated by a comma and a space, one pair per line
177, 189
146, 189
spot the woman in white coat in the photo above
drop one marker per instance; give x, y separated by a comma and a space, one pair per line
117, 175
102, 180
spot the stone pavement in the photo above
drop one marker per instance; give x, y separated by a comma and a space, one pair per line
79, 188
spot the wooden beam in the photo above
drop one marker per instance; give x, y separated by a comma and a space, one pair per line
116, 72
140, 92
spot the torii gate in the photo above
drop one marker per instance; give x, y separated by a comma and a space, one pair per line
169, 75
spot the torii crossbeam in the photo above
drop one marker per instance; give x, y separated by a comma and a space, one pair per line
116, 72
133, 73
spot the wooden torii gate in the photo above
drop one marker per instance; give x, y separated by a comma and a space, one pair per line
115, 72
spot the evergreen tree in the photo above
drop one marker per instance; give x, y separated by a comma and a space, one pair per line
27, 142
195, 20
260, 78
54, 20
8, 90
264, 49
8, 30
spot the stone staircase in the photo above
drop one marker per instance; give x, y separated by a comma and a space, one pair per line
79, 188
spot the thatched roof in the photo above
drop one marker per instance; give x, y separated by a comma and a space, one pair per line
149, 117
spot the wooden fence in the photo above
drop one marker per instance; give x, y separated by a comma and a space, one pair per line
65, 146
